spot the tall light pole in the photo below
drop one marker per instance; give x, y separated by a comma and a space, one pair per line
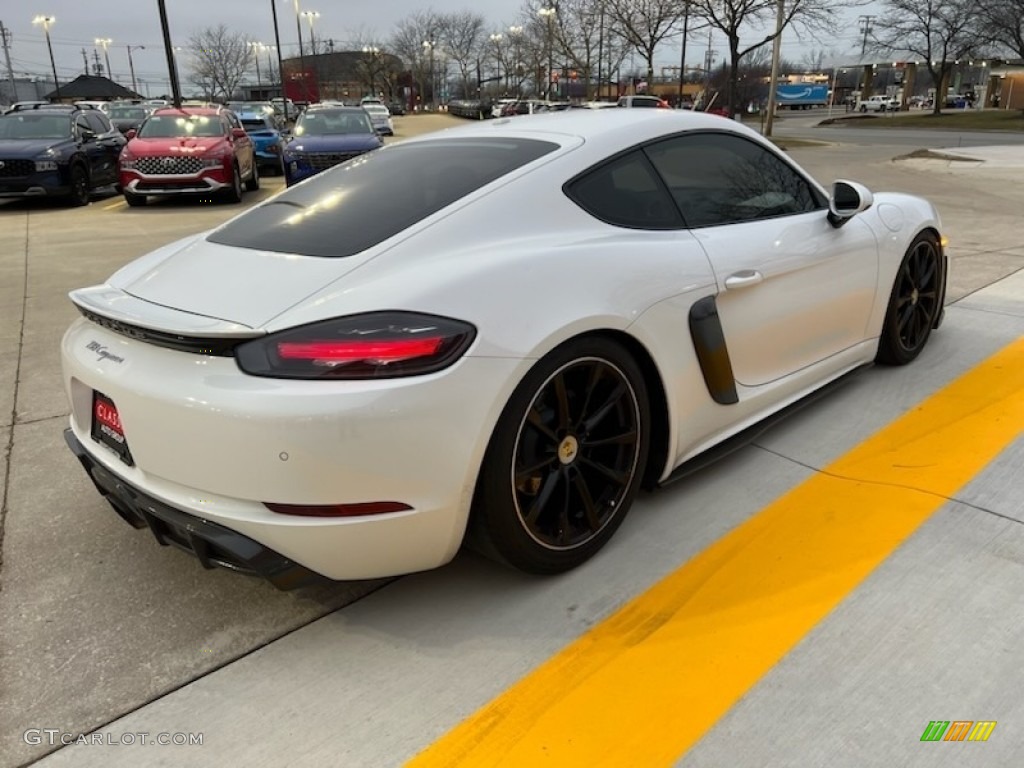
516, 31
428, 45
496, 38
257, 47
548, 14
131, 64
372, 52
310, 17
172, 65
780, 17
280, 62
682, 56
46, 21
104, 42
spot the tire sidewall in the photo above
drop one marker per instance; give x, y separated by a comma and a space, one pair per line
890, 349
495, 525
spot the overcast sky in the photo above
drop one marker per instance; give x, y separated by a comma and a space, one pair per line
137, 22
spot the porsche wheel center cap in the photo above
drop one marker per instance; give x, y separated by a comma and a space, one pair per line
568, 449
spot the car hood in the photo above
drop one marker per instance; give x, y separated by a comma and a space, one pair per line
144, 147
239, 285
336, 143
26, 147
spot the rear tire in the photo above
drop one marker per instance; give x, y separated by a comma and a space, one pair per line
914, 304
565, 461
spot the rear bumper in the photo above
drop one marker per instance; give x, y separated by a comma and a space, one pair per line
212, 544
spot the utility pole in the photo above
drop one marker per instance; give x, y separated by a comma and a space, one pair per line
85, 60
865, 27
776, 55
5, 39
97, 68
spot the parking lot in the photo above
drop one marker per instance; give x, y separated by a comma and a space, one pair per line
908, 618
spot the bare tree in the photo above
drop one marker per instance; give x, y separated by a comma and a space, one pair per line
735, 18
220, 59
461, 35
413, 41
814, 60
644, 24
1001, 23
938, 31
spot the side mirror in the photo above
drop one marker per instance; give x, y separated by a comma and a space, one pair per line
848, 198
87, 135
238, 133
131, 134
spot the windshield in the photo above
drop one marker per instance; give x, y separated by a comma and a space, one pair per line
127, 113
329, 122
181, 126
337, 213
35, 126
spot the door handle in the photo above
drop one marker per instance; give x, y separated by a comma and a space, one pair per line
743, 278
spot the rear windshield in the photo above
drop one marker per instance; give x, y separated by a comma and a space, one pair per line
127, 113
361, 203
254, 123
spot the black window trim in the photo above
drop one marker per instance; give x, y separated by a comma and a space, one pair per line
820, 195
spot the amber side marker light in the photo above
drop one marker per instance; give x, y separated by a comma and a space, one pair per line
338, 510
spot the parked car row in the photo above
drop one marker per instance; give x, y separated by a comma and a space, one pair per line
142, 150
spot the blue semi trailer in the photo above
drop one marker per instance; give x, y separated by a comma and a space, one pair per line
801, 95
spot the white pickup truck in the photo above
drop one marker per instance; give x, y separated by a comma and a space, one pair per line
879, 104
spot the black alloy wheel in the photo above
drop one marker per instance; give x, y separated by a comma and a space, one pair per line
79, 182
914, 304
566, 459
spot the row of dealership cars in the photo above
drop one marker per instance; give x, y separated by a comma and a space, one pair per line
143, 150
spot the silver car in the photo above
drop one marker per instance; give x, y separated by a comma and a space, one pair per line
381, 119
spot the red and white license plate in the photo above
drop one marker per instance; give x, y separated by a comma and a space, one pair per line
107, 429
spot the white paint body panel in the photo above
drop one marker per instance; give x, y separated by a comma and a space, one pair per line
210, 439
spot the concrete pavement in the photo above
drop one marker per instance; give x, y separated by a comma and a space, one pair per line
91, 638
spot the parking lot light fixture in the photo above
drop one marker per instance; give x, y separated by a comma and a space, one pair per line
311, 16
548, 14
46, 21
105, 42
516, 32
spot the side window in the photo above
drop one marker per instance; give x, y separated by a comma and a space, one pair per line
81, 124
97, 122
626, 192
716, 178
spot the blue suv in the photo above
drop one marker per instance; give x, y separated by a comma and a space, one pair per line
266, 140
327, 136
57, 151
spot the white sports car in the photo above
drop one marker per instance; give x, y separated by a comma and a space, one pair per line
493, 334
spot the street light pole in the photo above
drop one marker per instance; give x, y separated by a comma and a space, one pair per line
46, 21
516, 31
280, 62
372, 52
131, 64
104, 42
172, 66
429, 46
549, 15
496, 39
257, 47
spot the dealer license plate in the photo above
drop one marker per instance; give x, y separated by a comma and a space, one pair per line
107, 429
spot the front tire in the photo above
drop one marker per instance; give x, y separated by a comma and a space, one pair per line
914, 304
233, 194
79, 182
133, 200
565, 460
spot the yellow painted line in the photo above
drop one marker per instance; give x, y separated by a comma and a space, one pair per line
641, 687
118, 204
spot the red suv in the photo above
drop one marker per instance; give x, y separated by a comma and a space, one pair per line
188, 151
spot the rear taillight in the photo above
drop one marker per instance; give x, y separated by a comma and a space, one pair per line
371, 346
